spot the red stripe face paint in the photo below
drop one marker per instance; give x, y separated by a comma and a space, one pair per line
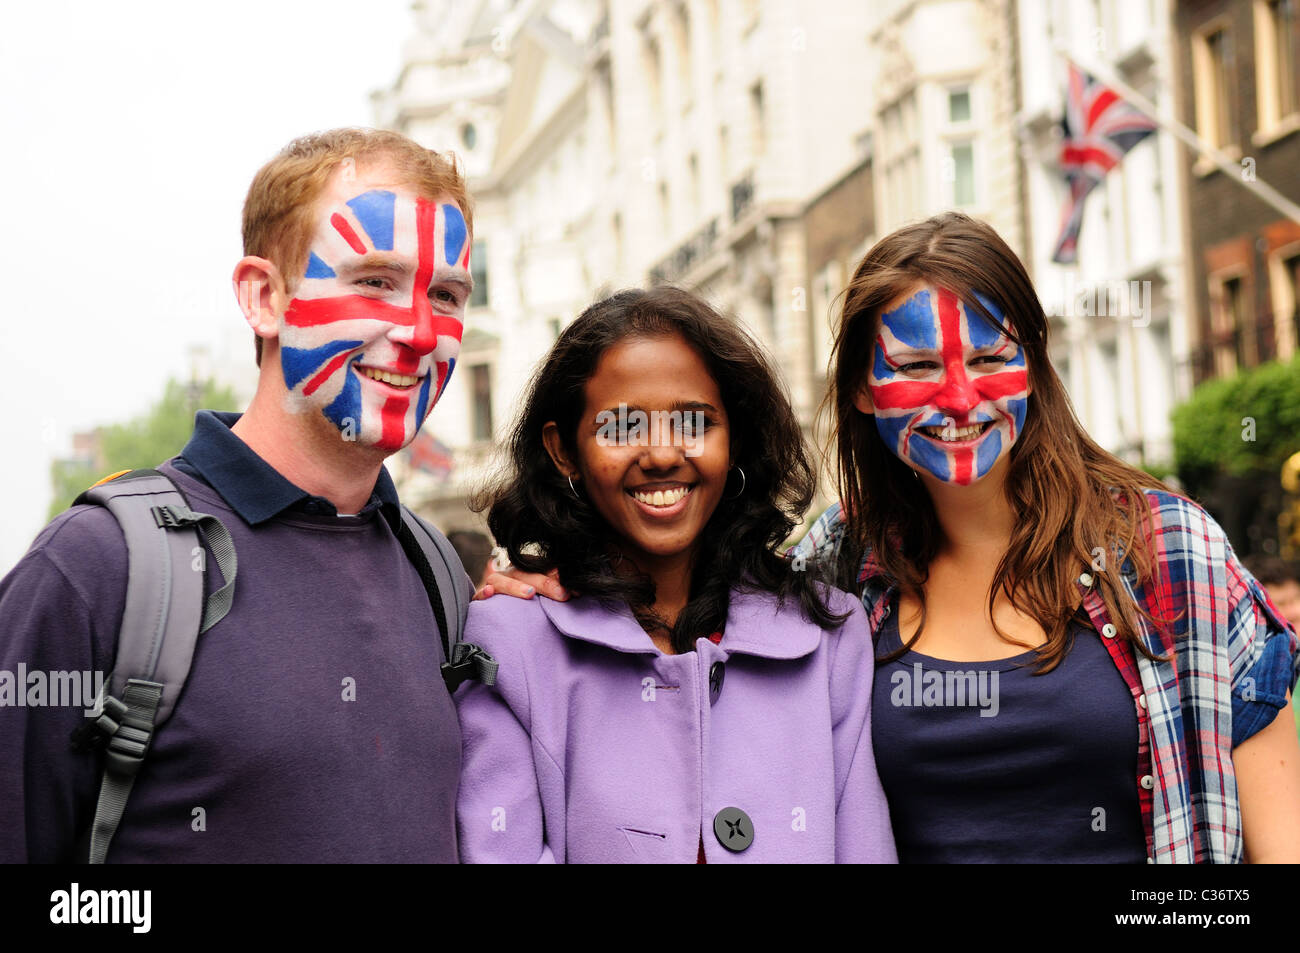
373, 330
949, 390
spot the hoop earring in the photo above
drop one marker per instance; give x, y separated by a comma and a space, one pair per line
571, 489
742, 483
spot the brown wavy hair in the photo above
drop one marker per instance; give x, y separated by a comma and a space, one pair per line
1073, 497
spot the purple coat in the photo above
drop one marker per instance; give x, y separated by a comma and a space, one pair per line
593, 747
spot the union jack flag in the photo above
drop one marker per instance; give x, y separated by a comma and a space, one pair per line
1099, 129
945, 332
326, 323
431, 455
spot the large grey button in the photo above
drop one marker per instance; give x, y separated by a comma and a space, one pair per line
733, 829
717, 673
1085, 579
1148, 782
1108, 630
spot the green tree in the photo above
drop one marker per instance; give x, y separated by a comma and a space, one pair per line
146, 441
1248, 423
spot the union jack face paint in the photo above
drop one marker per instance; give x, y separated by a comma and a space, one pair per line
372, 333
949, 390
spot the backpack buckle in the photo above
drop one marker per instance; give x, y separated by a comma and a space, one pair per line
95, 734
168, 516
469, 661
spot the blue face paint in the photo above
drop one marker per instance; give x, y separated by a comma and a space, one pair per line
949, 390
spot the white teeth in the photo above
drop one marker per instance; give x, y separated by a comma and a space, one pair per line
954, 434
662, 497
397, 380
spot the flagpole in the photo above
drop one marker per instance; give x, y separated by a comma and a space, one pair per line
1262, 190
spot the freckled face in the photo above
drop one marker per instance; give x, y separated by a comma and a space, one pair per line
372, 333
654, 495
949, 392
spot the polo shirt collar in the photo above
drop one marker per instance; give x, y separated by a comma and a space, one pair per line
253, 488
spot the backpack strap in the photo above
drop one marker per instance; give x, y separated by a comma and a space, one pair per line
164, 615
450, 591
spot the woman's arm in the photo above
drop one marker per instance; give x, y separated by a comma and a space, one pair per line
862, 828
499, 816
500, 810
1268, 788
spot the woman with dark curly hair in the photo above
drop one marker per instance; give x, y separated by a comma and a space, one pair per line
703, 700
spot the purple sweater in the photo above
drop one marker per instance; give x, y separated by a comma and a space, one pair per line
264, 739
595, 747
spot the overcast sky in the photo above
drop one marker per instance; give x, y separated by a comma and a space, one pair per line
130, 133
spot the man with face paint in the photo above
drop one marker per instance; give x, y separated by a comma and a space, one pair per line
314, 725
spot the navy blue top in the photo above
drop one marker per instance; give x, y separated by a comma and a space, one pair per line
314, 726
985, 762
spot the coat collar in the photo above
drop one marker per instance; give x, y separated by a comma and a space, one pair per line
755, 626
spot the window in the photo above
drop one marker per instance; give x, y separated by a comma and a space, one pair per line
1276, 36
654, 74
1282, 17
959, 158
756, 118
481, 386
616, 230
963, 173
1284, 280
825, 287
1230, 340
1212, 65
1292, 266
469, 136
900, 154
681, 25
693, 167
478, 271
959, 105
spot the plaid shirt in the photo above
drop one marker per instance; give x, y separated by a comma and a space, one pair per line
1232, 659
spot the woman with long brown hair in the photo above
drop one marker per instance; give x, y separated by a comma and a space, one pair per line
1072, 664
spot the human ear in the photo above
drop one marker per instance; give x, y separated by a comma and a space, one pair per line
555, 448
261, 293
862, 399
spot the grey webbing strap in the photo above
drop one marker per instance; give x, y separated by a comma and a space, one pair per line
164, 595
131, 721
164, 614
455, 589
223, 551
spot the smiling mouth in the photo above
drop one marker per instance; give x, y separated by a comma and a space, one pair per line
946, 434
661, 498
389, 378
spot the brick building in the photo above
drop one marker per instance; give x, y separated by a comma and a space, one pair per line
1238, 70
1238, 84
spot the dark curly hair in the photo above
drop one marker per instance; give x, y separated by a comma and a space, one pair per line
533, 514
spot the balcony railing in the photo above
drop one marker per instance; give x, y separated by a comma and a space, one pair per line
742, 197
682, 258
